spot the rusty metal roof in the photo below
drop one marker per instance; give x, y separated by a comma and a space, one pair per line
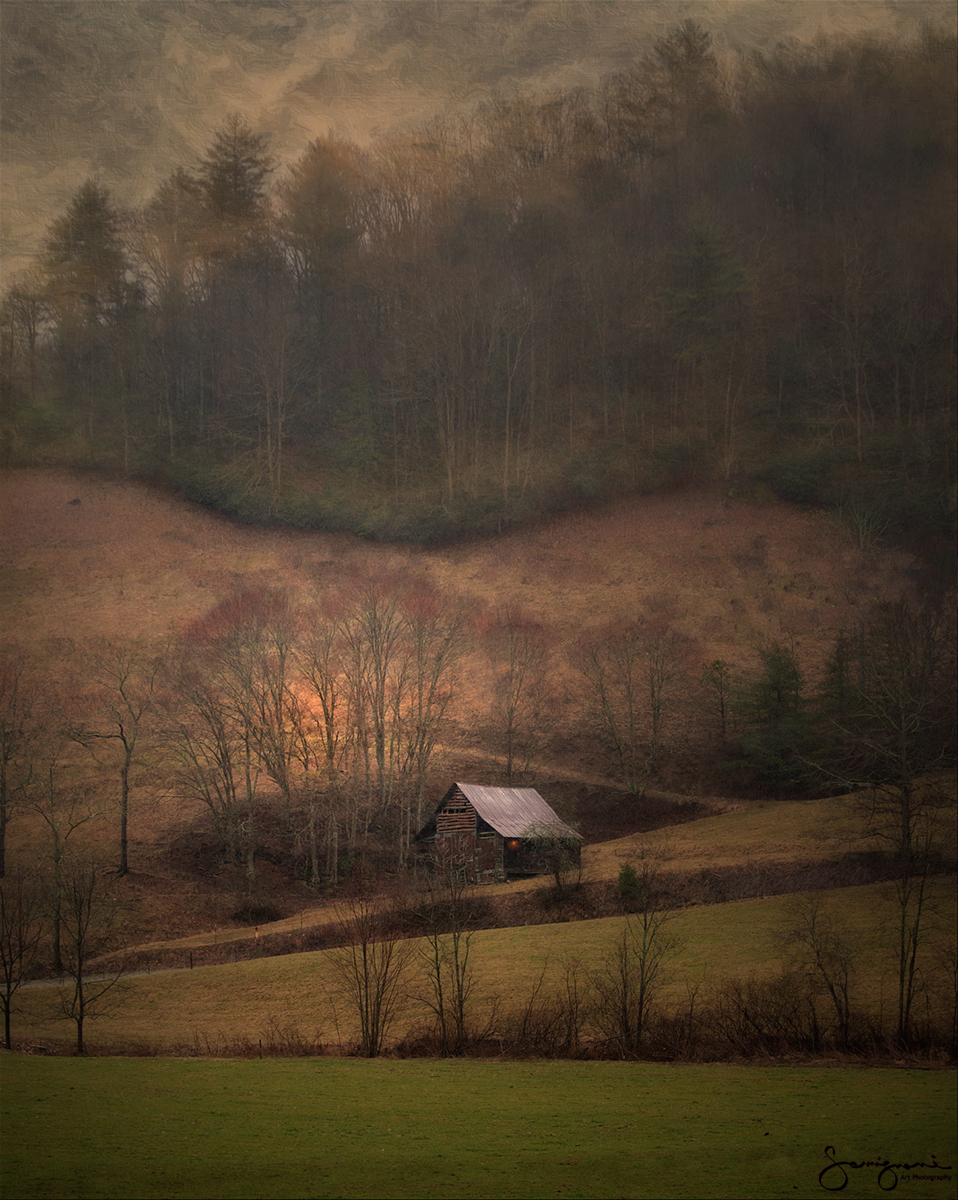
515, 812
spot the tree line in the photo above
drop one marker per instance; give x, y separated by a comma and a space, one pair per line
323, 726
739, 268
407, 978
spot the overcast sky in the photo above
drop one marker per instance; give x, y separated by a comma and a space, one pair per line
125, 90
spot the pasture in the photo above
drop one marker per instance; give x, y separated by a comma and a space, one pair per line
132, 565
213, 1007
343, 1128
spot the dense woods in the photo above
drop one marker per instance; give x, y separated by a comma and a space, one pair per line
742, 271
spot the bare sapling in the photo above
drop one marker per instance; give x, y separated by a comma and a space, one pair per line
90, 915
825, 952
448, 977
121, 685
371, 969
633, 970
20, 929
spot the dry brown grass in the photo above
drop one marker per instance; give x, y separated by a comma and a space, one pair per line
208, 1005
137, 562
85, 557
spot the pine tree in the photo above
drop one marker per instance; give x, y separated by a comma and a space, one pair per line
232, 176
85, 261
92, 296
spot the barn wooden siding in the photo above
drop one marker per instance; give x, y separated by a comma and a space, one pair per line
464, 838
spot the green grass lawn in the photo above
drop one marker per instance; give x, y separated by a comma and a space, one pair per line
346, 1128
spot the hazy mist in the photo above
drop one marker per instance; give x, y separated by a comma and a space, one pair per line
125, 92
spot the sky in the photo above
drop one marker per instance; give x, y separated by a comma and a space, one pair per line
124, 91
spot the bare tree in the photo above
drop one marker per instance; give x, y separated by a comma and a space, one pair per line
632, 971
231, 659
436, 633
444, 954
23, 315
18, 736
275, 366
88, 914
276, 715
609, 663
124, 678
203, 749
518, 648
629, 672
826, 953
558, 854
331, 738
371, 969
65, 805
401, 644
661, 661
890, 718
377, 662
717, 679
20, 930
890, 706
915, 916
238, 655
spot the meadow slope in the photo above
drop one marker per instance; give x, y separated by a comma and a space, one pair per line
295, 998
86, 558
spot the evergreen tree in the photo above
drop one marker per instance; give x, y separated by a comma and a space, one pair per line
773, 749
232, 175
243, 284
85, 261
92, 296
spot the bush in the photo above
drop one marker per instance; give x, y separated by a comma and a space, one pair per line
257, 914
803, 478
629, 887
764, 1016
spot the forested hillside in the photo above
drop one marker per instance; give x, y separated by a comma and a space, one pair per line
740, 272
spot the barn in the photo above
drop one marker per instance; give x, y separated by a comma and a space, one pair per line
491, 833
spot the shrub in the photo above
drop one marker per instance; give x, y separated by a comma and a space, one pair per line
764, 1016
629, 890
802, 478
257, 914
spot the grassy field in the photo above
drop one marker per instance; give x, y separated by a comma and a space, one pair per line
334, 1128
85, 557
760, 837
249, 1000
